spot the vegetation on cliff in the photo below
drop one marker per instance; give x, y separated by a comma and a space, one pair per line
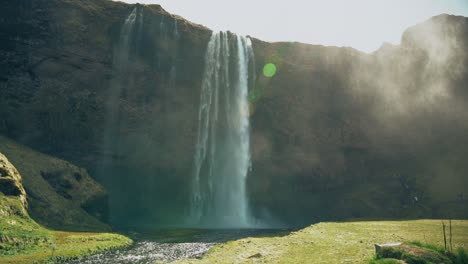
22, 240
60, 194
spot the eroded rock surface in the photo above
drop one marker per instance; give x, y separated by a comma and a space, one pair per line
11, 181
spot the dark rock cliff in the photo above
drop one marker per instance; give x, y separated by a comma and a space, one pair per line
336, 133
365, 135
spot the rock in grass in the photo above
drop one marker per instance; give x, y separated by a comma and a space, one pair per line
388, 261
378, 247
10, 180
258, 255
412, 254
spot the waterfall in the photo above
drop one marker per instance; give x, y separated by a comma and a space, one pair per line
176, 30
131, 30
117, 83
123, 49
222, 154
162, 29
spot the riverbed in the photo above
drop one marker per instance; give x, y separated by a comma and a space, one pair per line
171, 245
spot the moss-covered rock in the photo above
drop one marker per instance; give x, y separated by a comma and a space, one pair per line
413, 254
60, 195
23, 240
10, 181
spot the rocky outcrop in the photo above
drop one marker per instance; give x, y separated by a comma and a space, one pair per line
17, 230
60, 195
336, 133
10, 181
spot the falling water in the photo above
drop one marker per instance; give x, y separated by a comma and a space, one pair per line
121, 61
162, 29
222, 156
173, 72
176, 30
122, 54
123, 49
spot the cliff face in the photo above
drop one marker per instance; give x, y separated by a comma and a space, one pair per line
336, 133
59, 76
359, 135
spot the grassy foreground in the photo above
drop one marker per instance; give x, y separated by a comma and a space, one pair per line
22, 240
347, 242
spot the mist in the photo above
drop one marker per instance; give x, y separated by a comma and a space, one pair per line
331, 23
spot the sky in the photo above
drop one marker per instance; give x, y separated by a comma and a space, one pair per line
361, 24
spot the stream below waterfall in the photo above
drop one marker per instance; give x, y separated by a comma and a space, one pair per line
171, 245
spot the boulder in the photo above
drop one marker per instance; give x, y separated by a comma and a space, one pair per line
10, 180
379, 247
411, 253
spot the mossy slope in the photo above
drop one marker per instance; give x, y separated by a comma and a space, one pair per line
22, 240
60, 194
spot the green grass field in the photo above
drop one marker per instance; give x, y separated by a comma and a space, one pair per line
22, 240
346, 242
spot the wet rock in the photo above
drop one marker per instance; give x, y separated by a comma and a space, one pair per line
150, 252
258, 255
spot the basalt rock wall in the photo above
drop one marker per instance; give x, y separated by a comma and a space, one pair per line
335, 134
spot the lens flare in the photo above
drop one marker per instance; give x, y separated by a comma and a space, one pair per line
269, 70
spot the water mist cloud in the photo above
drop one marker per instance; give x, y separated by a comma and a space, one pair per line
362, 24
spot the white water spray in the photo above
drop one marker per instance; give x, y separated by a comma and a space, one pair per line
222, 157
123, 50
176, 30
122, 58
121, 62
